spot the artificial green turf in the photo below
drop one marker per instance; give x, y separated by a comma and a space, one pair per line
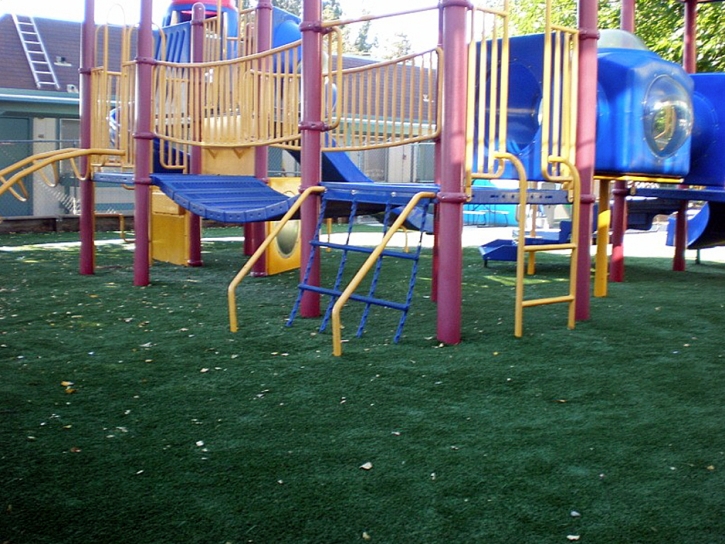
176, 430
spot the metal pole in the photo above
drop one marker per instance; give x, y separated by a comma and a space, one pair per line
195, 160
689, 61
144, 137
586, 146
311, 158
256, 231
619, 194
452, 192
87, 219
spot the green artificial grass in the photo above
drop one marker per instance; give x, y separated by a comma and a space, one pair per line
133, 415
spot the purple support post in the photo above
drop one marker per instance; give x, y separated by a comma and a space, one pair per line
195, 160
87, 220
144, 137
619, 209
256, 232
586, 147
311, 157
689, 61
452, 195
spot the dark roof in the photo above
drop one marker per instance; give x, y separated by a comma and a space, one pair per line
62, 40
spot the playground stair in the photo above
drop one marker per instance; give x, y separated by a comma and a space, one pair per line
35, 52
506, 250
372, 195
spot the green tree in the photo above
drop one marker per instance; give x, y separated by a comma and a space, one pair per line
362, 44
399, 46
659, 24
330, 8
293, 6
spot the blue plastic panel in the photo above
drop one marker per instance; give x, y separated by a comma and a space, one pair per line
708, 134
631, 84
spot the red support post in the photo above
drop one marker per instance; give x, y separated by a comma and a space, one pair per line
452, 194
689, 61
195, 160
619, 194
256, 232
144, 137
586, 147
311, 157
87, 219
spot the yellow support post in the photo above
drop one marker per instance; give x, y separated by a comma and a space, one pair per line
601, 271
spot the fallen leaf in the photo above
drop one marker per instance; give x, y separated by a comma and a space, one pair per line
66, 383
366, 466
75, 449
366, 536
572, 538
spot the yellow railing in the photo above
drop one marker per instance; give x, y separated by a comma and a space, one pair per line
279, 226
365, 268
559, 101
19, 170
113, 84
388, 103
524, 250
488, 93
238, 103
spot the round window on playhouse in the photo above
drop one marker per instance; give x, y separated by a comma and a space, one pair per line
667, 116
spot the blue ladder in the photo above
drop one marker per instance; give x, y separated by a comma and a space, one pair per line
370, 299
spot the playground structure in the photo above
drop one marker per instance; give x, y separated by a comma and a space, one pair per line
188, 123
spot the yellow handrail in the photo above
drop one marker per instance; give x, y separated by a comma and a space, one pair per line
233, 323
365, 268
523, 249
41, 160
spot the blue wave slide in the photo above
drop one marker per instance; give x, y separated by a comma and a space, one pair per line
704, 229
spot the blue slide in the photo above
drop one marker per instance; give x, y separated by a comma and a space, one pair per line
704, 229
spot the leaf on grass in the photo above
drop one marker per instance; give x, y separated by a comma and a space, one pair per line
366, 466
66, 383
75, 449
572, 538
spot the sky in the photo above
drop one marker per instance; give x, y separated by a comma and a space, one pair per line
420, 29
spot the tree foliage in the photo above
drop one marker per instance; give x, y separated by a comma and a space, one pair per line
659, 24
357, 44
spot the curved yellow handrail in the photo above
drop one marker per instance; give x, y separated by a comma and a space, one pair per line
365, 268
233, 323
40, 161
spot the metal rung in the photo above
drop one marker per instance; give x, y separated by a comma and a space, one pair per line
359, 298
544, 301
32, 43
548, 247
361, 249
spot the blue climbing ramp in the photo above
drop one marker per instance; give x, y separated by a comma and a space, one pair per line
227, 199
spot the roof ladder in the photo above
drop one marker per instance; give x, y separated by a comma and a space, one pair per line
35, 52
